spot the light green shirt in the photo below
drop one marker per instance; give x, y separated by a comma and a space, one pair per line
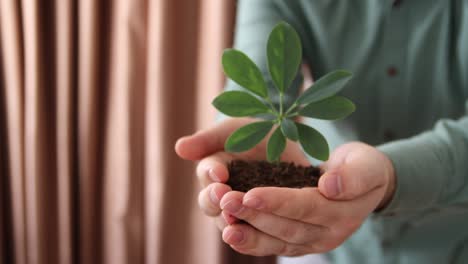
410, 86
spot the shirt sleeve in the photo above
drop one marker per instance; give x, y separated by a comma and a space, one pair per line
431, 169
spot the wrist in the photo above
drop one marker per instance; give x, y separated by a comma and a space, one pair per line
389, 174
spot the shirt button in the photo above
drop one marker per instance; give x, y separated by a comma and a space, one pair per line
386, 243
392, 71
396, 3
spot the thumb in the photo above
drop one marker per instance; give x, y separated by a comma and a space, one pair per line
208, 141
358, 173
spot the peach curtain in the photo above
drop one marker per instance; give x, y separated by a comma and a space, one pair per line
93, 95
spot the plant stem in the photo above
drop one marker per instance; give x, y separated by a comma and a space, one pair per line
291, 108
270, 103
292, 115
281, 104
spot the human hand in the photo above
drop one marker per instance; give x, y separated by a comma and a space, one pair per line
208, 147
310, 220
295, 222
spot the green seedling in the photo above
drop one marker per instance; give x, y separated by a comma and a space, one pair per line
284, 54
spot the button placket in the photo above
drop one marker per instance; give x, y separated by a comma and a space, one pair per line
393, 62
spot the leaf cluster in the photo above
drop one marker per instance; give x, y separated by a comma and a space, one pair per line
284, 55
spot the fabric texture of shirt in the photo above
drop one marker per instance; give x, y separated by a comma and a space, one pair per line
410, 64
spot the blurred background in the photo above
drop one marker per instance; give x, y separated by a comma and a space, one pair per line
93, 95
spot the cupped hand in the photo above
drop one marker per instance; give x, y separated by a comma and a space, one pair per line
358, 179
207, 146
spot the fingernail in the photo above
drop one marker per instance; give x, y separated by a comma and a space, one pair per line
234, 237
333, 185
213, 197
213, 175
253, 202
233, 207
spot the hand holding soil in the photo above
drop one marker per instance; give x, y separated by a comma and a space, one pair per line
303, 218
357, 180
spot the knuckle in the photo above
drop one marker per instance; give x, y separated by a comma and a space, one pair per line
292, 251
202, 174
301, 234
309, 233
353, 188
289, 233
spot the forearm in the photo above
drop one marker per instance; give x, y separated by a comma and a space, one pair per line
431, 168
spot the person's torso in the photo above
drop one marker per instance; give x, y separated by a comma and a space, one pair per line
410, 65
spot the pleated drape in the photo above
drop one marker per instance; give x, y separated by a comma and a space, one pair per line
93, 95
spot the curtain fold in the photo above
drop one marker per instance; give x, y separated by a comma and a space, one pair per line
93, 95
12, 74
66, 147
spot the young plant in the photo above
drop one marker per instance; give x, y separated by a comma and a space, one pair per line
284, 54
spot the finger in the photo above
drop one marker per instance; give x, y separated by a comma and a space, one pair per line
220, 222
306, 204
288, 230
337, 157
208, 141
210, 197
213, 168
245, 239
229, 218
310, 206
229, 199
355, 211
353, 177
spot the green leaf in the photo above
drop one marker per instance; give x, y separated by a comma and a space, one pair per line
238, 103
247, 136
266, 116
276, 145
284, 52
289, 129
332, 108
325, 87
313, 142
242, 70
